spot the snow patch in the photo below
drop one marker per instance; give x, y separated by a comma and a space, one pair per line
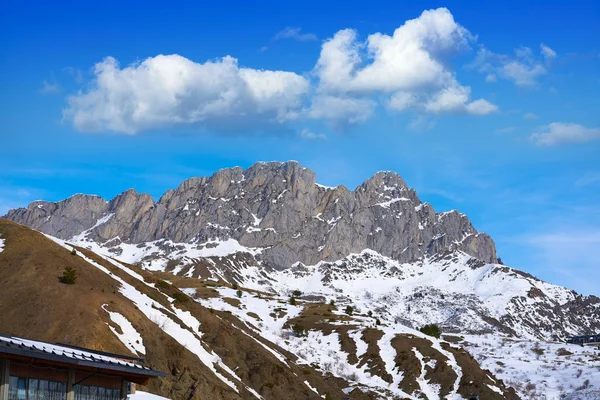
130, 337
386, 204
326, 187
256, 220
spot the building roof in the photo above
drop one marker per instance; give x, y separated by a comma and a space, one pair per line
73, 355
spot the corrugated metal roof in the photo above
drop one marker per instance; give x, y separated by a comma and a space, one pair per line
77, 356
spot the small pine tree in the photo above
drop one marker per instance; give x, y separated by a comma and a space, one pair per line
299, 331
239, 293
160, 284
432, 330
73, 251
296, 293
332, 303
180, 297
234, 286
292, 301
69, 275
377, 321
370, 313
349, 310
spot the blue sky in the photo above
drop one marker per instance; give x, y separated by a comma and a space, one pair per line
489, 108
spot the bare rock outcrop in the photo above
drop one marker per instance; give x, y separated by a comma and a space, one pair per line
276, 206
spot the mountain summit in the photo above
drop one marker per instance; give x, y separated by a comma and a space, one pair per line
278, 207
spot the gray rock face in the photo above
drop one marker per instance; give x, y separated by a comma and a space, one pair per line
275, 206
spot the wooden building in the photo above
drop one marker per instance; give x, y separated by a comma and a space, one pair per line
33, 370
585, 340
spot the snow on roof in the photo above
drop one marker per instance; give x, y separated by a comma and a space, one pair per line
72, 355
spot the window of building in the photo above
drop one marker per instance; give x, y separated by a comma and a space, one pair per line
21, 388
90, 392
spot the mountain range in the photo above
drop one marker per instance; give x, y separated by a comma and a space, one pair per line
274, 234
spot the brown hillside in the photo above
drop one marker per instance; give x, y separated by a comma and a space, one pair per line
35, 304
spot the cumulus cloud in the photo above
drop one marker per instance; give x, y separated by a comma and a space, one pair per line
408, 65
524, 68
523, 74
452, 99
410, 58
402, 100
455, 99
558, 133
530, 116
294, 33
407, 70
171, 90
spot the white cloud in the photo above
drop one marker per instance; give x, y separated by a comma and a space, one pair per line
547, 52
480, 107
294, 33
561, 133
455, 99
523, 68
341, 111
402, 100
411, 58
410, 65
530, 116
408, 70
310, 135
51, 87
522, 74
171, 90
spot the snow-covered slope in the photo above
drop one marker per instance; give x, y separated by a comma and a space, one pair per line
503, 313
454, 290
539, 369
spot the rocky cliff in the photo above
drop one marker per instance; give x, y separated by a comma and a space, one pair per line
278, 207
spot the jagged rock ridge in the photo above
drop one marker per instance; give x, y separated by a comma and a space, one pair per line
278, 207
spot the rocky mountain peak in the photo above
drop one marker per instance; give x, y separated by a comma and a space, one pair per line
275, 206
385, 179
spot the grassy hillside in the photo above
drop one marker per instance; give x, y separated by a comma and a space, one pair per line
35, 304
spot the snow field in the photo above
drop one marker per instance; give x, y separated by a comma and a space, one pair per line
536, 369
